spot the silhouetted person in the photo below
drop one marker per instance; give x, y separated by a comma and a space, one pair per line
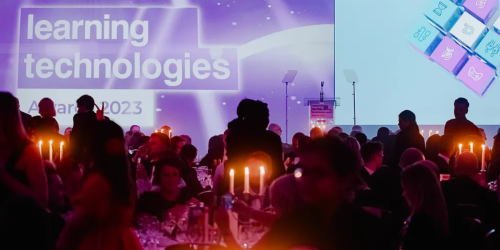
460, 127
248, 134
432, 146
84, 123
373, 155
409, 137
215, 153
442, 160
361, 137
24, 116
384, 136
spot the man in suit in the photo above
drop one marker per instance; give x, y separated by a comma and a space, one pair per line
373, 156
83, 127
460, 127
465, 189
384, 136
446, 149
408, 137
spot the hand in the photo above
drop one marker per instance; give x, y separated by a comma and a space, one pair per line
141, 173
100, 112
240, 207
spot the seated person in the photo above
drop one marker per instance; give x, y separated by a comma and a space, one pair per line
465, 189
188, 154
166, 176
56, 203
176, 144
302, 144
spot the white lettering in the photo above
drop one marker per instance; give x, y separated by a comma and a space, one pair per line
201, 65
29, 65
128, 68
44, 64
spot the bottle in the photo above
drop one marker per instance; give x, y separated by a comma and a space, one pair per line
321, 93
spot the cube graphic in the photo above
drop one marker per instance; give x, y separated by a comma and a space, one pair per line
489, 48
458, 2
496, 25
468, 30
481, 9
443, 13
450, 55
424, 37
477, 75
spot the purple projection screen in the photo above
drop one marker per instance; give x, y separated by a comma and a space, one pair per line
182, 63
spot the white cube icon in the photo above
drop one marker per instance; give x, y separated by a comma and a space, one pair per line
468, 30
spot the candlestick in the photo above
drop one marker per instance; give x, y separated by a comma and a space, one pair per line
483, 162
40, 147
246, 187
430, 132
231, 181
472, 147
50, 150
262, 174
459, 149
61, 151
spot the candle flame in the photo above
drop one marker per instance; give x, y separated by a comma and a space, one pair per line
156, 131
247, 170
231, 172
483, 146
262, 170
50, 142
437, 132
298, 174
40, 143
62, 143
162, 130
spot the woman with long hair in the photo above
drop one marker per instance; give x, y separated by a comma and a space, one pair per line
21, 166
428, 222
104, 207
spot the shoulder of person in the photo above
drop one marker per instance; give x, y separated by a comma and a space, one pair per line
150, 195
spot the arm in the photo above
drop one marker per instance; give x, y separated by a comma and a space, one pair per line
35, 173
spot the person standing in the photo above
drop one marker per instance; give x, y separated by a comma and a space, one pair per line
460, 127
83, 127
409, 137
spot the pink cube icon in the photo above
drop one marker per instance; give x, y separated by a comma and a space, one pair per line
477, 76
481, 9
450, 55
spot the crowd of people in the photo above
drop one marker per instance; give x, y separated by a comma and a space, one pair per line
330, 190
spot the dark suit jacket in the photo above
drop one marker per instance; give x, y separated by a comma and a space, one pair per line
25, 119
389, 142
460, 129
83, 130
407, 138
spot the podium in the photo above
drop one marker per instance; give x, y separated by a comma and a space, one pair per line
321, 113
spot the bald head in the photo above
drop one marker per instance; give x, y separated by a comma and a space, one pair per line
467, 164
410, 156
275, 128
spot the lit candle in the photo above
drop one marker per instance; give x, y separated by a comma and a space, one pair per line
482, 159
61, 151
422, 132
459, 148
162, 130
472, 147
156, 130
430, 132
262, 174
50, 150
231, 181
40, 147
437, 132
246, 187
170, 133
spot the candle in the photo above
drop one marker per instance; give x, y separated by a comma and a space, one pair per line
472, 147
206, 213
459, 148
61, 151
262, 174
246, 187
422, 132
50, 150
161, 130
40, 147
482, 158
483, 162
170, 133
231, 181
156, 130
430, 132
437, 132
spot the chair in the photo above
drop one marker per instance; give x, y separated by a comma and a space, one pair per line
491, 240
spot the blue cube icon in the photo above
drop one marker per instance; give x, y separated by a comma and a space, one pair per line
443, 13
424, 37
489, 48
458, 2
